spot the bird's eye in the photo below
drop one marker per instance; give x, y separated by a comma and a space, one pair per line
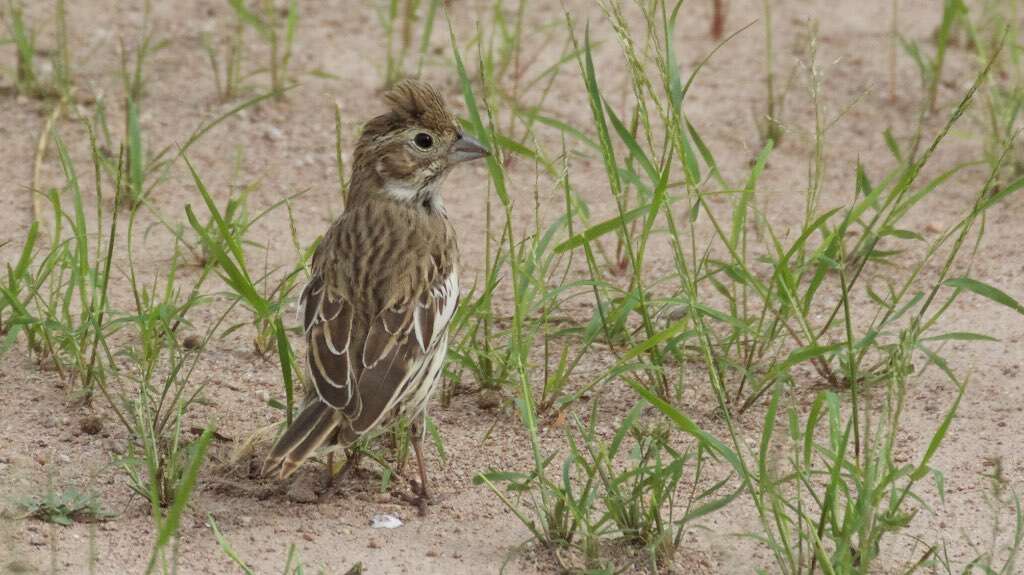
423, 141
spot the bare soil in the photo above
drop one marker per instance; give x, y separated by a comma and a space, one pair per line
288, 146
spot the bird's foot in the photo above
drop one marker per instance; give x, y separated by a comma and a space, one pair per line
420, 498
347, 468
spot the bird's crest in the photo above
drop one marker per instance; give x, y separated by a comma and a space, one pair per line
417, 101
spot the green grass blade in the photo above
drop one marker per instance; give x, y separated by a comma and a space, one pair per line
479, 130
687, 425
938, 437
226, 547
987, 291
284, 353
185, 487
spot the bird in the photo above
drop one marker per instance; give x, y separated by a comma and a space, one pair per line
384, 285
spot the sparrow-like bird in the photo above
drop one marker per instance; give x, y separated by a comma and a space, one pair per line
384, 283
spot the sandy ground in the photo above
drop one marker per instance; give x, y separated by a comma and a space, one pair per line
286, 147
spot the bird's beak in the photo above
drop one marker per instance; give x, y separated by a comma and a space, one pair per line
465, 149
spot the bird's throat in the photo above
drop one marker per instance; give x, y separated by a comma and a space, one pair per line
427, 197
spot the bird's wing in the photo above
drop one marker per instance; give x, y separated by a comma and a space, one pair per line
365, 384
327, 319
402, 344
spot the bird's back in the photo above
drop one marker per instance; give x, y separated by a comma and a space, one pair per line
380, 253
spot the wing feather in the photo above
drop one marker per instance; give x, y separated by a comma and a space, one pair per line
338, 330
328, 334
424, 316
311, 293
386, 330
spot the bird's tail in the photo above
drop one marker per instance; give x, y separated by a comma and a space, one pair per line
307, 432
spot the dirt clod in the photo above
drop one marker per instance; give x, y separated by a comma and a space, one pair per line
305, 488
192, 342
91, 424
489, 399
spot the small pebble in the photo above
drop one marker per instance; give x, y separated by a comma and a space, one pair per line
677, 312
273, 133
385, 521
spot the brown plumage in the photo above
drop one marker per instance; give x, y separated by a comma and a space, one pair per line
384, 282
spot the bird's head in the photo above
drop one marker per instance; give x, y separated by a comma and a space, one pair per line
407, 152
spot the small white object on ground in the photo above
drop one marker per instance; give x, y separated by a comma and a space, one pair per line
385, 521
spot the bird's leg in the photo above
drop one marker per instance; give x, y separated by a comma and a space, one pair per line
423, 494
330, 462
352, 457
